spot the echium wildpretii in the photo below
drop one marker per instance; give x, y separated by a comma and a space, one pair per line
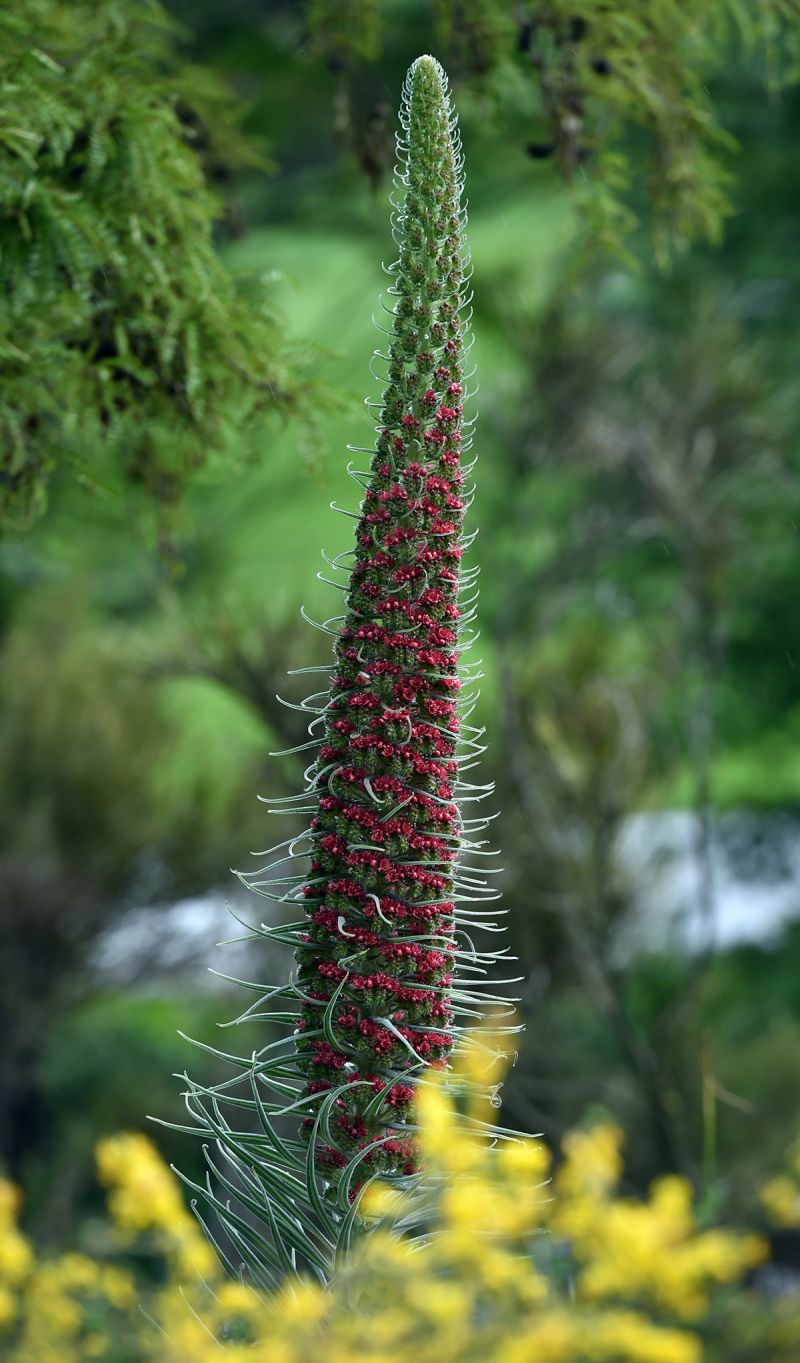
388, 902
380, 904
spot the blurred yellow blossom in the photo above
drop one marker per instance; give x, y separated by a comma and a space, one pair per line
626, 1335
118, 1287
780, 1198
509, 1269
146, 1196
648, 1251
449, 1143
8, 1307
524, 1162
302, 1301
16, 1256
592, 1162
553, 1337
237, 1299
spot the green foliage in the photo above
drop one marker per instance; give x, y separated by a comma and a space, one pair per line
93, 1069
616, 96
128, 354
75, 694
345, 29
111, 779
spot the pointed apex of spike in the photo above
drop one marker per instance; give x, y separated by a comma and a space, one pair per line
427, 63
427, 72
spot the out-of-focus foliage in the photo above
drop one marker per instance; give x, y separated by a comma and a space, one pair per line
345, 28
616, 94
83, 1092
514, 1269
113, 819
652, 485
128, 352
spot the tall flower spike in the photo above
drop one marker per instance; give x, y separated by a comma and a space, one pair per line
385, 956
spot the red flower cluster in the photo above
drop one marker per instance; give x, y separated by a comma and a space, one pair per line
376, 963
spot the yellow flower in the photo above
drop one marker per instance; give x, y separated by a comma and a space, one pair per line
8, 1308
236, 1299
499, 1270
300, 1302
196, 1257
381, 1201
476, 1289
118, 1288
552, 1338
16, 1257
445, 1140
146, 1194
636, 1250
626, 1335
479, 1062
62, 1315
524, 1160
593, 1162
76, 1272
780, 1198
10, 1202
441, 1301
467, 1202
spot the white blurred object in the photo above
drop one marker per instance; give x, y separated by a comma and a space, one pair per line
755, 873
755, 867
147, 945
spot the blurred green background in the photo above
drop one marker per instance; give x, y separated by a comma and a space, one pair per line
636, 260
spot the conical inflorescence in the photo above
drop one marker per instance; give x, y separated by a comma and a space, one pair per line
389, 898
386, 838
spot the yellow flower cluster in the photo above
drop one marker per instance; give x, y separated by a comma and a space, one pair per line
146, 1197
62, 1310
780, 1196
640, 1251
481, 1286
16, 1257
72, 1309
75, 1307
485, 1284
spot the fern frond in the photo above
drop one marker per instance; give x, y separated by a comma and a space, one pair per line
106, 249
